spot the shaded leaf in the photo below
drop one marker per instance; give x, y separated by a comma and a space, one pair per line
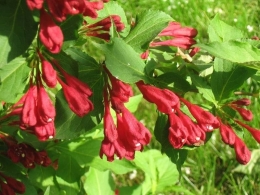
227, 77
15, 19
203, 87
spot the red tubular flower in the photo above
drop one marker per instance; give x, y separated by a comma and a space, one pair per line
145, 55
91, 8
6, 189
34, 4
57, 9
195, 135
205, 119
29, 114
254, 132
182, 42
171, 27
247, 115
42, 158
17, 186
120, 89
165, 100
73, 7
243, 154
45, 107
181, 32
50, 34
227, 134
74, 82
44, 131
193, 51
22, 153
177, 131
49, 75
242, 102
78, 101
133, 132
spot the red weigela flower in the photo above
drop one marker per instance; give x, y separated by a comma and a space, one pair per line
50, 34
34, 4
165, 100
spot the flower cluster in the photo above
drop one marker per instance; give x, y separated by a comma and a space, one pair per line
10, 185
177, 36
101, 28
180, 36
183, 130
50, 33
25, 154
229, 136
128, 135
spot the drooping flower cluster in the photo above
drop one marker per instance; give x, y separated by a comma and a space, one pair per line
101, 28
50, 33
25, 154
128, 134
230, 137
10, 186
183, 130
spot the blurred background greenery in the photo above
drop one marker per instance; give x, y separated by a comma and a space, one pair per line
211, 169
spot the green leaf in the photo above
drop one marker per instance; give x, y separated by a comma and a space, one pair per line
86, 153
147, 26
177, 156
13, 76
180, 84
68, 124
157, 177
227, 77
15, 19
42, 177
123, 62
99, 182
220, 31
70, 30
234, 51
51, 191
203, 87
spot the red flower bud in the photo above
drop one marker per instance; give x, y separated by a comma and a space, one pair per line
34, 4
254, 132
177, 131
242, 102
49, 75
29, 117
45, 107
50, 34
17, 186
6, 189
92, 7
204, 118
243, 154
247, 115
193, 51
165, 100
78, 101
44, 131
227, 134
182, 42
